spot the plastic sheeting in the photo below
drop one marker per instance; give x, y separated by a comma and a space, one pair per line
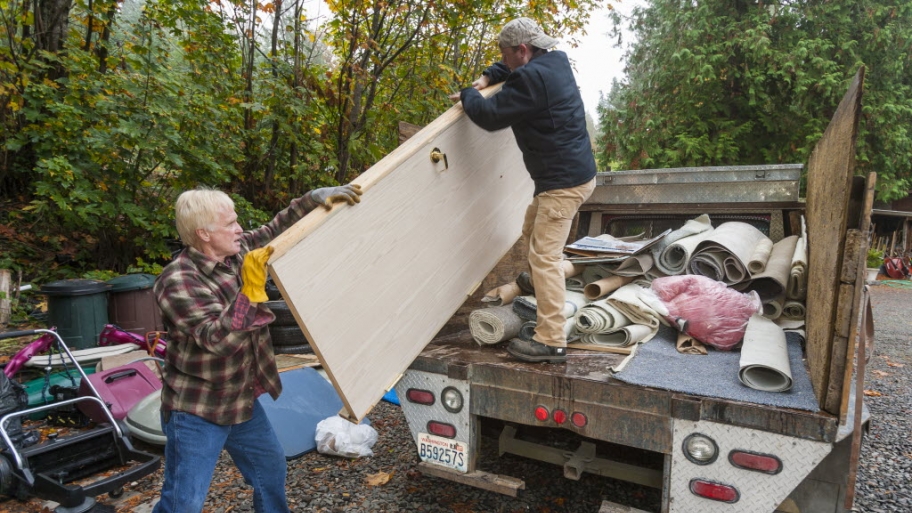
706, 309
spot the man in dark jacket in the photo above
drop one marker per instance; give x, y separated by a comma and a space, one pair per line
541, 103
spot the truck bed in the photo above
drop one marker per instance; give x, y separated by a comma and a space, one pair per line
509, 390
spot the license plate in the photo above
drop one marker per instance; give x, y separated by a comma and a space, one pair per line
443, 451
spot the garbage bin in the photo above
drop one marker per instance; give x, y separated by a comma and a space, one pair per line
132, 304
79, 310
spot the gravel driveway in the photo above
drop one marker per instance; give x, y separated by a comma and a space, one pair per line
389, 481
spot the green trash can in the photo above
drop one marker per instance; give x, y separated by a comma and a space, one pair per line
79, 310
132, 304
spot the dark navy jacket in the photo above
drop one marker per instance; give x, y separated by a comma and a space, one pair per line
542, 104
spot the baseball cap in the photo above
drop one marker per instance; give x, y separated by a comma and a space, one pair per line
525, 31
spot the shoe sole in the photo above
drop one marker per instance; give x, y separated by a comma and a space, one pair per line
538, 359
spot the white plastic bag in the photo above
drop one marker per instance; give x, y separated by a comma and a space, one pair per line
339, 437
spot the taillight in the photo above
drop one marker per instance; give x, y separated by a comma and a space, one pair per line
578, 419
441, 429
714, 491
542, 414
559, 416
419, 396
753, 461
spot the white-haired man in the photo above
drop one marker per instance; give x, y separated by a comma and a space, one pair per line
219, 357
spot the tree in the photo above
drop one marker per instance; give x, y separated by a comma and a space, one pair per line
400, 59
746, 82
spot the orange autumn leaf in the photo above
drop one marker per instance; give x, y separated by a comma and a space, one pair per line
872, 393
378, 479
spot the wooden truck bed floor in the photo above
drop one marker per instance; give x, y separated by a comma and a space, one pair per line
636, 416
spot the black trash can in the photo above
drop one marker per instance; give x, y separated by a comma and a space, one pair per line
132, 304
79, 310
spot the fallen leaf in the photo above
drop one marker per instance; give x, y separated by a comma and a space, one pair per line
880, 374
891, 364
378, 479
872, 393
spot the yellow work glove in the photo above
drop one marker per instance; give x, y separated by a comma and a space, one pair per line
326, 196
253, 274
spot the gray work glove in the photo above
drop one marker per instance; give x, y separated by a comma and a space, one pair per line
326, 196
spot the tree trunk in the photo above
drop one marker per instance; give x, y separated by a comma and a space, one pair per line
51, 19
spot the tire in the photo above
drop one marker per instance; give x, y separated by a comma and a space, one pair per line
272, 292
286, 336
303, 349
283, 314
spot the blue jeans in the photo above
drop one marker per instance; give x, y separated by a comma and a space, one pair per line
193, 449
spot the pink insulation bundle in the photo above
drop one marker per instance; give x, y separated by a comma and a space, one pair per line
706, 309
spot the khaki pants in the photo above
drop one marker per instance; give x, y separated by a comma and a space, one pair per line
546, 227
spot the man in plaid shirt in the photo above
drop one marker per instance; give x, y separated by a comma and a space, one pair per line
219, 357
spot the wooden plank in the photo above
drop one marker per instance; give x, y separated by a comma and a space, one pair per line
830, 170
505, 485
850, 264
371, 284
857, 313
845, 299
600, 349
867, 335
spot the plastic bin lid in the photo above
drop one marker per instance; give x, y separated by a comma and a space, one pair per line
74, 287
129, 282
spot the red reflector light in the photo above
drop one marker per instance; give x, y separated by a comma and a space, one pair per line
578, 419
714, 491
542, 414
419, 396
559, 416
441, 429
753, 461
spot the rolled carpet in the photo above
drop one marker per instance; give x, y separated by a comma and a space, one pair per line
635, 265
527, 331
794, 310
575, 284
695, 226
640, 305
797, 282
725, 253
771, 283
494, 325
526, 306
764, 363
620, 337
759, 257
593, 273
599, 317
773, 309
673, 260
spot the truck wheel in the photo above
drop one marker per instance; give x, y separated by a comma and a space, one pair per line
282, 313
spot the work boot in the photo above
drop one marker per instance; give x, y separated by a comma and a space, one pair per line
532, 351
524, 280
